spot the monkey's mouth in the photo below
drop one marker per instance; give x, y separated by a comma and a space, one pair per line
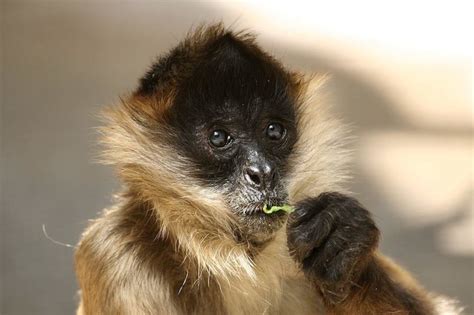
256, 208
257, 226
267, 218
254, 222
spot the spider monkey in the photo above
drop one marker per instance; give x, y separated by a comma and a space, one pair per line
216, 129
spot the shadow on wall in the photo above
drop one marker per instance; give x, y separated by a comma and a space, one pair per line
66, 58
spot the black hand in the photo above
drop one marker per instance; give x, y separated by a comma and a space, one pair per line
332, 237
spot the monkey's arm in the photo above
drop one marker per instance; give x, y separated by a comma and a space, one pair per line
382, 288
334, 240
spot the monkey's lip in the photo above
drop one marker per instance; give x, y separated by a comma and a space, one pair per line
257, 208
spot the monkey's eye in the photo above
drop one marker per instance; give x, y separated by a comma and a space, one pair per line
275, 131
219, 138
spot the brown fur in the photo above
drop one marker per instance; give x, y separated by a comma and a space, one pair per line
168, 246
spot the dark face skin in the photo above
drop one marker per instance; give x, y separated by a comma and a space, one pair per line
235, 121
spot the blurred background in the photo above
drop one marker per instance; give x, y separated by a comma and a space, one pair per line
402, 76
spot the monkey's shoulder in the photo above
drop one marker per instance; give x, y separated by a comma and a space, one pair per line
129, 240
124, 249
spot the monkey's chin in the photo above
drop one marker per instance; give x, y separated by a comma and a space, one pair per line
259, 227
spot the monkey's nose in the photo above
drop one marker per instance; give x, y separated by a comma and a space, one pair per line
262, 177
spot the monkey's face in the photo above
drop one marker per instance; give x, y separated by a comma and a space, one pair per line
235, 119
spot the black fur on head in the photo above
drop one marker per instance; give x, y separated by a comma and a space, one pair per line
233, 116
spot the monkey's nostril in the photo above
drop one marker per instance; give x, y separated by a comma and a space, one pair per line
253, 177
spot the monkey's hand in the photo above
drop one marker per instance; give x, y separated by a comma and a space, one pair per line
333, 238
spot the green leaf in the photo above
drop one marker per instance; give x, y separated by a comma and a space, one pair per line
286, 208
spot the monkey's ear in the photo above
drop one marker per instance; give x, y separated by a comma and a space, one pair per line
157, 89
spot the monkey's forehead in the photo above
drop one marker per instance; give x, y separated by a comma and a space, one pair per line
234, 79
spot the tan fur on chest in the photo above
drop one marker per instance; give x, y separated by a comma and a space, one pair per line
278, 286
